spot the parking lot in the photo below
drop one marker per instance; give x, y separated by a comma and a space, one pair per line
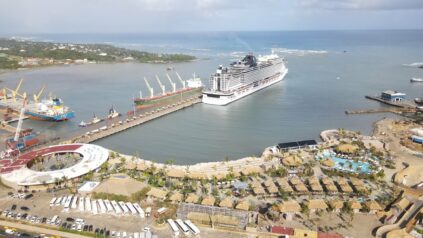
37, 210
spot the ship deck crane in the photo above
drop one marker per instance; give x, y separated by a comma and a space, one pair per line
171, 83
149, 87
37, 96
161, 85
180, 79
16, 91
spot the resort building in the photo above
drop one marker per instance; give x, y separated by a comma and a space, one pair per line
355, 206
271, 187
329, 185
315, 205
284, 185
176, 197
296, 145
192, 198
208, 201
227, 202
258, 190
336, 205
156, 193
373, 207
343, 185
392, 96
314, 185
243, 205
298, 185
289, 209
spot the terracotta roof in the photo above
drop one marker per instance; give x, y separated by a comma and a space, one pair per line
192, 198
283, 230
243, 205
316, 204
289, 206
227, 202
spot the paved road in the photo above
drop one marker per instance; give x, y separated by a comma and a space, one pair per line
39, 230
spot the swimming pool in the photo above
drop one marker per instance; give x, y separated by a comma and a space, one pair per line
350, 165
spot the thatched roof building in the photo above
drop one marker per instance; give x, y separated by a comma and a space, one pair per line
176, 197
227, 202
192, 198
157, 193
292, 161
284, 185
176, 173
291, 206
243, 205
316, 204
336, 204
208, 201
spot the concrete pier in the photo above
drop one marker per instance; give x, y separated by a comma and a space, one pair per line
136, 120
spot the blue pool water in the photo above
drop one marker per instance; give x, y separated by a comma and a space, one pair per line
341, 163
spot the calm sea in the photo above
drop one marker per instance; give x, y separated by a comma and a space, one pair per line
329, 72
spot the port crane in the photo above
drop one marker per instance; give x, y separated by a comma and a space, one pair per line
161, 85
16, 91
171, 83
149, 87
180, 79
21, 117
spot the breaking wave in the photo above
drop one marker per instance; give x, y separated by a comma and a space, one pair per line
416, 64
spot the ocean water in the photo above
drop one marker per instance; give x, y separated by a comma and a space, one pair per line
329, 72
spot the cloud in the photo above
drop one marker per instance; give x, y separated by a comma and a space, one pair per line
362, 4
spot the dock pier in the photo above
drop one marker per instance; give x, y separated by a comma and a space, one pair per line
137, 120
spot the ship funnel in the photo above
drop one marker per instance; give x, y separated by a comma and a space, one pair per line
180, 79
161, 85
149, 87
171, 83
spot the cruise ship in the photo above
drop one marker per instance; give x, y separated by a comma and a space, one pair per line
243, 78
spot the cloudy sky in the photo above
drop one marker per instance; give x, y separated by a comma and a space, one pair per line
121, 16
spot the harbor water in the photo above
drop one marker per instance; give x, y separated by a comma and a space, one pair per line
329, 72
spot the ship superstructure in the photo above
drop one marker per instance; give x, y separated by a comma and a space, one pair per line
244, 77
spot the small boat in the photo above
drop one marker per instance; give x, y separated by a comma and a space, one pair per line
418, 101
113, 113
82, 124
416, 80
95, 120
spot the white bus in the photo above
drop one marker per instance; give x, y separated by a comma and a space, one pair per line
139, 210
183, 227
148, 211
124, 207
58, 201
54, 219
109, 206
94, 207
103, 208
64, 200
132, 208
116, 206
74, 202
87, 204
192, 227
81, 204
52, 201
67, 203
173, 227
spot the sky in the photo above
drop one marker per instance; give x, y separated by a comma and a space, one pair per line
137, 16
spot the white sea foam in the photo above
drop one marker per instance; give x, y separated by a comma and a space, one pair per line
298, 52
416, 64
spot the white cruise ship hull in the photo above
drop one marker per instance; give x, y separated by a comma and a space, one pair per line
226, 99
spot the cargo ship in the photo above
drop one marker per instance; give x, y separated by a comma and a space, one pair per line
27, 138
191, 87
49, 110
243, 78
